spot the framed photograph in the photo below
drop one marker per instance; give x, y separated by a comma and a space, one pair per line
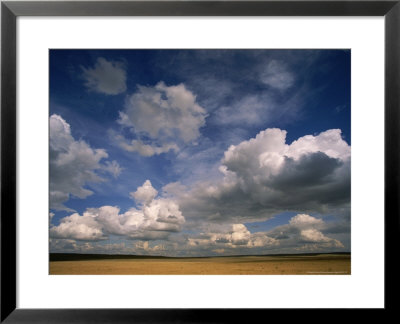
190, 153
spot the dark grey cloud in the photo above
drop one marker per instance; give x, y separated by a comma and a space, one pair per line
313, 169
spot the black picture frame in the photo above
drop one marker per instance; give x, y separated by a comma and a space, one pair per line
10, 10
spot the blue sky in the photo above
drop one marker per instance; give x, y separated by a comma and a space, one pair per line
199, 152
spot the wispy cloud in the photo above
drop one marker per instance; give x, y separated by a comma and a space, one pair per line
106, 77
276, 75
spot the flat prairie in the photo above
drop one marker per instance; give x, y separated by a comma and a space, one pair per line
310, 264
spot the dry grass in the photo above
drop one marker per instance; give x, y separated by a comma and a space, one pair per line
246, 265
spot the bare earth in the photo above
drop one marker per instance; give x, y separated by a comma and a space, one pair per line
325, 264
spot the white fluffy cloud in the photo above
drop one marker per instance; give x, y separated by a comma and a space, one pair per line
78, 227
303, 233
304, 230
144, 194
329, 142
264, 176
313, 235
270, 147
155, 219
238, 236
302, 220
106, 77
72, 164
164, 115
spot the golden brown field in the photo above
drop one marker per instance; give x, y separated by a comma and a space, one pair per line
324, 264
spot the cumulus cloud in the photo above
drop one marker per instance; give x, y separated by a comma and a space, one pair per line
264, 176
156, 219
106, 77
164, 115
73, 164
304, 231
276, 75
302, 220
144, 194
78, 227
313, 235
238, 236
329, 142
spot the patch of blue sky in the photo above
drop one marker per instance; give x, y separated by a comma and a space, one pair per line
265, 226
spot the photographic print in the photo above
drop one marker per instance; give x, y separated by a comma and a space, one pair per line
200, 161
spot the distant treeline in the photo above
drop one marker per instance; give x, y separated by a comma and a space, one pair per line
81, 257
